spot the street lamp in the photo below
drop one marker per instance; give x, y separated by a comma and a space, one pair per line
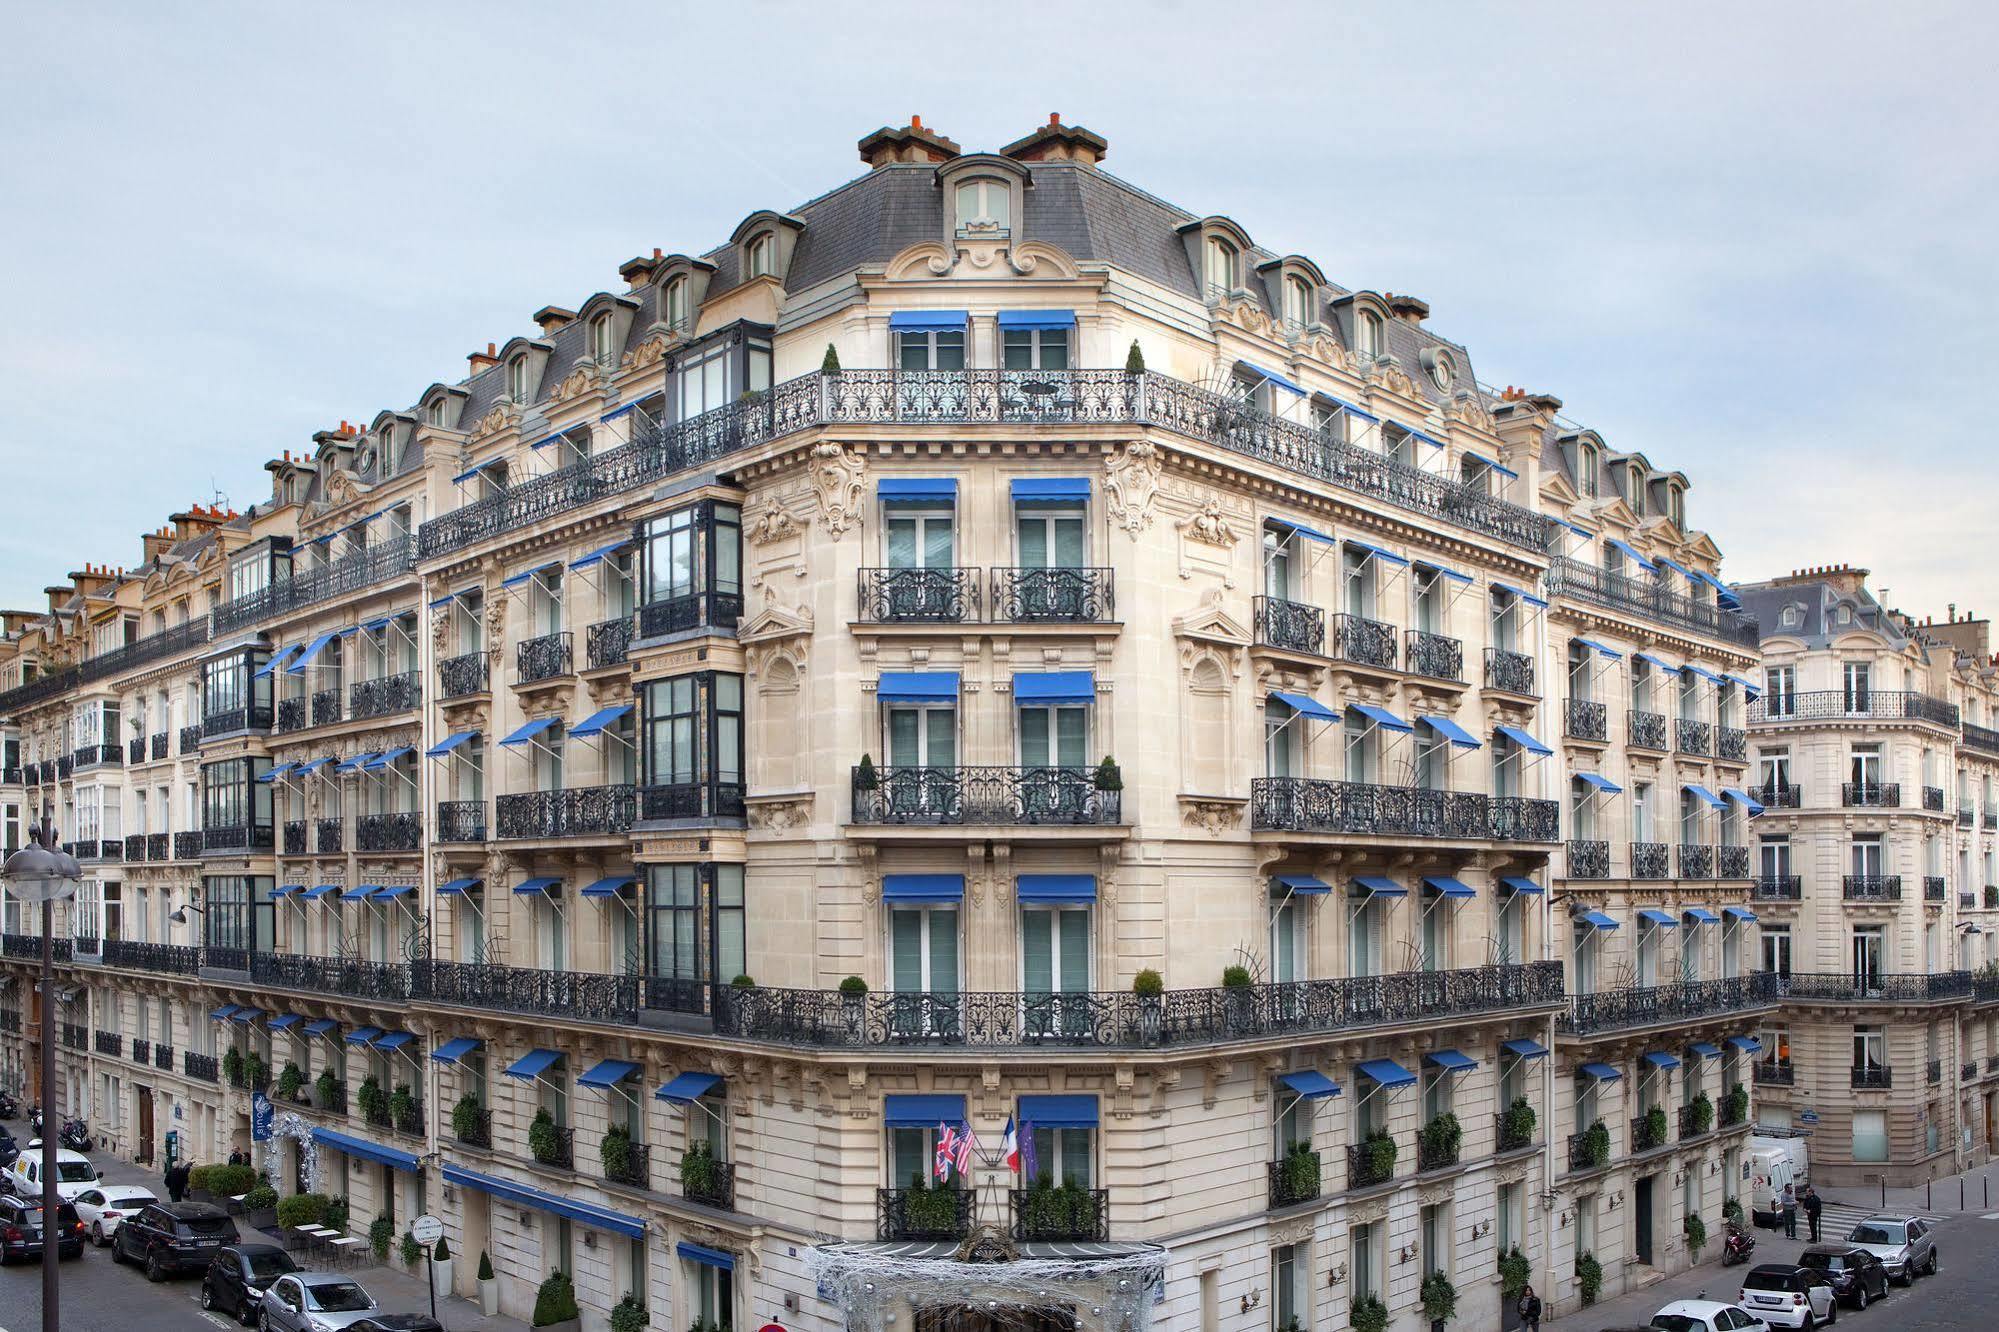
44, 872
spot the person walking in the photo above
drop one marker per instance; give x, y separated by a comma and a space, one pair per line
1529, 1309
176, 1180
1788, 1205
1813, 1205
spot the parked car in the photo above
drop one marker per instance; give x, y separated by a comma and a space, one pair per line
21, 1230
170, 1238
1786, 1295
1906, 1245
314, 1302
74, 1173
238, 1277
1704, 1316
1857, 1276
103, 1206
397, 1323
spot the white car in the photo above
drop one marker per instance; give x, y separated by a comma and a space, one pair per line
1786, 1295
1705, 1316
74, 1174
101, 1208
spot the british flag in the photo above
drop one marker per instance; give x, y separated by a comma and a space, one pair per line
947, 1152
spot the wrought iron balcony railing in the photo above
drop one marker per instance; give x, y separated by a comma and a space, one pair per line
714, 1187
362, 979
378, 563
1871, 887
933, 1214
1870, 795
1433, 656
548, 657
135, 847
166, 959
1775, 1073
1053, 596
476, 1130
142, 1051
30, 946
1510, 672
326, 706
1651, 1005
234, 720
461, 820
238, 837
904, 596
1731, 862
1299, 804
576, 995
1876, 986
691, 800
187, 846
572, 811
1290, 626
1649, 860
1696, 861
383, 695
1933, 888
607, 643
163, 1055
109, 1043
389, 832
135, 751
153, 647
190, 738
701, 610
629, 1164
462, 676
1933, 799
1778, 888
1835, 704
1585, 720
994, 796
1966, 816
1773, 796
559, 1151
1873, 1075
1649, 599
202, 1068
1294, 1179
1060, 1215
1362, 641
1647, 1134
1731, 744
292, 837
1588, 860
1582, 1152
158, 746
329, 836
1367, 1168
1509, 1134
1646, 730
159, 846
293, 714
1693, 737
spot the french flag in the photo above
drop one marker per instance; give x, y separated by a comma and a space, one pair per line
1010, 1146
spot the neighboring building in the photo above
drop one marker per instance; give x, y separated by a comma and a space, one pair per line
631, 800
1875, 760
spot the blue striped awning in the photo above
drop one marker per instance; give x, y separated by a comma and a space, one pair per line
304, 659
609, 886
391, 1040
540, 884
1521, 593
1491, 463
532, 1064
1748, 802
1309, 1083
1596, 920
608, 1073
321, 1027
386, 757
1741, 914
1600, 1072
1702, 794
363, 1035
458, 887
276, 663
359, 891
1632, 555
1662, 919
1659, 662
525, 575
705, 1256
1309, 533
1701, 916
1599, 783
274, 773
599, 555
1746, 1044
1514, 883
449, 743
1379, 553
1381, 717
1451, 1061
283, 1021
355, 764
528, 732
690, 1087
223, 1014
1703, 1049
390, 892
1050, 490
1599, 648
917, 490
319, 890
600, 720
1660, 1059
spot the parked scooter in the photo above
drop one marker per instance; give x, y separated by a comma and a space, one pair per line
9, 1107
1736, 1245
75, 1135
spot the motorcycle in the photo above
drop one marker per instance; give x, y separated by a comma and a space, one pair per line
1736, 1246
35, 1121
75, 1135
9, 1107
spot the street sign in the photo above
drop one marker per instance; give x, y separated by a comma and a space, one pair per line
1808, 1116
426, 1229
260, 1117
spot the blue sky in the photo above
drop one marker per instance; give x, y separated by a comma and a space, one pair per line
1755, 242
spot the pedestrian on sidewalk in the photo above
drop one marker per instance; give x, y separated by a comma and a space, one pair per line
1813, 1205
1529, 1309
1788, 1205
176, 1180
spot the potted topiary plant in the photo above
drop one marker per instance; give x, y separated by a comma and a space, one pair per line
544, 1143
465, 1117
336, 1214
374, 1102
291, 1081
1589, 1277
829, 364
1439, 1142
629, 1314
1367, 1314
615, 1150
1703, 1113
1134, 360
1301, 1172
301, 1209
1238, 998
1440, 1297
1735, 1105
232, 1066
324, 1088
1151, 994
440, 1267
260, 1206
1378, 1152
744, 982
381, 1232
1731, 1210
402, 1108
697, 1171
489, 1287
555, 1304
1518, 1127
854, 1004
256, 1073
1596, 1144
1655, 1126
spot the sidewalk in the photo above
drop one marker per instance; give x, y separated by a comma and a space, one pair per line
396, 1290
1974, 1191
1710, 1281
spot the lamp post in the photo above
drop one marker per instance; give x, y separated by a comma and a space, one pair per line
43, 872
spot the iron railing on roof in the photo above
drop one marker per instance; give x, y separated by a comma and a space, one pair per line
363, 568
1586, 583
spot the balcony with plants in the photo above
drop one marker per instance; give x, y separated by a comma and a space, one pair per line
988, 796
1294, 1177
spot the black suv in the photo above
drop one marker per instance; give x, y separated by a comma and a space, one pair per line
172, 1237
21, 1229
235, 1281
1857, 1276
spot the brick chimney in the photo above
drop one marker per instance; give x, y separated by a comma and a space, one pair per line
1845, 579
1409, 309
485, 359
1056, 142
638, 271
197, 519
155, 544
911, 143
552, 317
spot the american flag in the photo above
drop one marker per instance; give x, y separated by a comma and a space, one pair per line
947, 1152
963, 1159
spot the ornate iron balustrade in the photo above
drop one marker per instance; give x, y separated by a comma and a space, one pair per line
330, 1097
630, 1166
461, 821
65, 765
408, 1118
1933, 799
673, 994
401, 831
1365, 1169
1696, 862
158, 846
292, 839
462, 676
236, 719
1731, 744
576, 995
75, 1036
691, 800
1587, 860
904, 596
607, 643
329, 835
548, 657
1292, 1182
1651, 600
1300, 804
163, 1056
1060, 1215
1835, 704
187, 846
717, 1190
1871, 887
1433, 656
1873, 1076
135, 847
362, 979
569, 812
1652, 1005
1982, 738
160, 958
217, 957
190, 738
1772, 796
158, 745
1290, 626
110, 1043
135, 751
1123, 1020
239, 837
478, 1132
1876, 987
1053, 596
927, 1214
1731, 862
91, 756
1362, 641
1582, 1155
1646, 730
153, 647
1968, 1071
1933, 888
1509, 1135
142, 1051
1966, 816
378, 563
383, 695
1689, 1117
997, 796
202, 1068
1990, 820
293, 714
1871, 795
1649, 860
30, 946
1647, 1134
1509, 672
10, 1020
561, 1150
1991, 897
1693, 737
1584, 720
1433, 1155
699, 610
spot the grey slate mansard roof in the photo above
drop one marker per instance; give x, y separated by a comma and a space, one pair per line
1820, 598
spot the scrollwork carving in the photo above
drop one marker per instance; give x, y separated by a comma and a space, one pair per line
836, 480
1131, 485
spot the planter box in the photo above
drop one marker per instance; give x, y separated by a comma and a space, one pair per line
489, 1298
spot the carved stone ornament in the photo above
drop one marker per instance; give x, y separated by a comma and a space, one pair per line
1209, 525
1131, 485
577, 382
780, 815
774, 523
646, 353
502, 416
496, 626
342, 487
836, 480
1213, 817
440, 628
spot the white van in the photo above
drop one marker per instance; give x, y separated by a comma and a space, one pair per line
1770, 1169
1792, 1145
74, 1174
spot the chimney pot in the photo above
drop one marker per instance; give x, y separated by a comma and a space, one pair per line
916, 122
1054, 117
658, 253
492, 349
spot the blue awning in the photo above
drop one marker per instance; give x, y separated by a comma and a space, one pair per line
359, 891
1309, 1083
321, 1026
1304, 883
1451, 1061
1048, 688
529, 731
1677, 568
1660, 1059
608, 1073
386, 757
1600, 1072
273, 774
362, 1035
1381, 717
1272, 377
246, 1015
474, 470
1599, 783
374, 626
586, 1214
1522, 739
1701, 916
625, 410
355, 764
1305, 706
392, 891
1445, 886
609, 886
1740, 913
1051, 490
1376, 552
1705, 674
1451, 574
450, 597
394, 1040
1744, 799
1524, 1048
223, 1014
600, 720
276, 663
304, 659
1059, 1112
1651, 660
1427, 439
923, 888
1599, 648
1309, 533
599, 555
1583, 532
1385, 1073
1352, 410
532, 1064
1724, 595
1514, 883
923, 1111
1703, 1049
1451, 731
366, 1150
1492, 463
917, 687
926, 321
458, 887
319, 890
1631, 554
1750, 689
1701, 793
560, 437
1746, 1044
1378, 885
455, 1049
1057, 887
1521, 593
1037, 318
313, 765
449, 743
705, 1256
282, 1021
540, 884
917, 490
690, 1087
1652, 916
527, 574
1596, 920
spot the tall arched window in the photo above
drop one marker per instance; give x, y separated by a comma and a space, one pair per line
675, 305
982, 208
600, 339
1298, 302
762, 255
517, 379
1367, 333
1221, 267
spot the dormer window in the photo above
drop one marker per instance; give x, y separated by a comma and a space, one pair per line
601, 348
1222, 260
434, 414
1300, 310
1367, 334
517, 379
675, 305
983, 206
760, 256
1676, 500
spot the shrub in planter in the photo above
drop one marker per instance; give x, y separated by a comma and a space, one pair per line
1596, 1144
409, 1250
485, 1266
865, 776
1443, 1136
465, 1116
1655, 1124
1147, 984
324, 1087
744, 982
380, 1231
1589, 1277
829, 364
1736, 1103
291, 1081
1378, 1150
853, 987
1696, 1235
1301, 1171
374, 1102
930, 1210
302, 1209
697, 1170
544, 1143
555, 1302
1134, 360
629, 1314
260, 1196
1367, 1314
1235, 978
1731, 1209
1520, 1119
256, 1073
1109, 776
1703, 1113
232, 1064
197, 1178
615, 1149
402, 1108
336, 1214
441, 1253
223, 1181
1440, 1297
1514, 1269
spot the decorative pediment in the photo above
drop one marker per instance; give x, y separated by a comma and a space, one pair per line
653, 349
504, 414
1211, 624
775, 623
1556, 488
581, 380
1701, 545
